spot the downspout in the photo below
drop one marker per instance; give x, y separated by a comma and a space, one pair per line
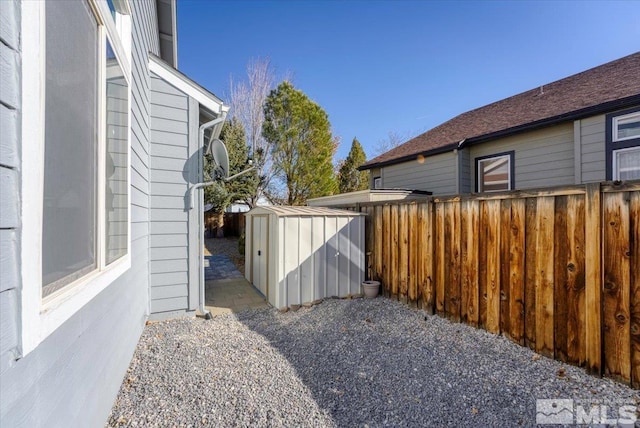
201, 130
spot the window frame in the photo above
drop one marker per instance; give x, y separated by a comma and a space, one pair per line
376, 181
41, 316
510, 155
612, 144
616, 172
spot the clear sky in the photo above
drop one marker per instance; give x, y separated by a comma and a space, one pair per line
402, 66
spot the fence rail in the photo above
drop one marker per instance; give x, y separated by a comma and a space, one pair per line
557, 270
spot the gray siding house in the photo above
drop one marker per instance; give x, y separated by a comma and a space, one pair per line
580, 129
99, 146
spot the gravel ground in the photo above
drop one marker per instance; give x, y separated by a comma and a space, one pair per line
226, 246
341, 363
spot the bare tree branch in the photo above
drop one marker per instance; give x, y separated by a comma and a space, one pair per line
247, 101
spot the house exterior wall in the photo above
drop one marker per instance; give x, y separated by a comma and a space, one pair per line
174, 160
542, 158
568, 153
465, 180
72, 377
10, 53
436, 174
592, 148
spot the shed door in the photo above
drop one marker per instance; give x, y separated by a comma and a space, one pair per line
259, 253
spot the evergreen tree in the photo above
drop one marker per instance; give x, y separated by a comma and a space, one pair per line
299, 132
349, 178
222, 194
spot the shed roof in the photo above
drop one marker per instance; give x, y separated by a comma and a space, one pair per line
610, 86
288, 211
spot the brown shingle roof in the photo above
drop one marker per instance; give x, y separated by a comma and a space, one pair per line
612, 85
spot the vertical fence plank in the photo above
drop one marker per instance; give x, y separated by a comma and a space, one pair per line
386, 244
473, 226
634, 218
575, 280
593, 280
544, 275
505, 249
466, 241
429, 272
421, 254
561, 260
403, 253
413, 253
377, 239
395, 247
452, 293
493, 266
482, 263
369, 241
530, 272
617, 271
440, 265
517, 270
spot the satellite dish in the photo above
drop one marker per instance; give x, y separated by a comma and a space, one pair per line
220, 156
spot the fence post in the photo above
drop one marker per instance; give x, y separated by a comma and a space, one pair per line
593, 278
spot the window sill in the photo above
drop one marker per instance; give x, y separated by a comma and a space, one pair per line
58, 308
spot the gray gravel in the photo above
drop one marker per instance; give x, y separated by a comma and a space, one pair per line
341, 363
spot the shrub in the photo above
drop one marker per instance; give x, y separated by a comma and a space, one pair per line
241, 244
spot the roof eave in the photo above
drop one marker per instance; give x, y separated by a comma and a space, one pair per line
554, 120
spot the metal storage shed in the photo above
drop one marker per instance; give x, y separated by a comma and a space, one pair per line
296, 255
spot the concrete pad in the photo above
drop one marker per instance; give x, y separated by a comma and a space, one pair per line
232, 295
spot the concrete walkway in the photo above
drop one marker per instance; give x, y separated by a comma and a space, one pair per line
226, 289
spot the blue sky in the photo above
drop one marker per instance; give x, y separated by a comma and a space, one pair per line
402, 66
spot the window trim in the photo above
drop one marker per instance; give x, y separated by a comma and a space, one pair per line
612, 145
512, 170
614, 165
40, 317
375, 179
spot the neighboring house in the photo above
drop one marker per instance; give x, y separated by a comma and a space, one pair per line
580, 129
100, 145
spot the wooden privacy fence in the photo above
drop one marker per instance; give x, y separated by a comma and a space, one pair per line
556, 270
233, 223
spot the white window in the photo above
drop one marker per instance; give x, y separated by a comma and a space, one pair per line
626, 164
377, 183
626, 127
76, 130
494, 173
623, 145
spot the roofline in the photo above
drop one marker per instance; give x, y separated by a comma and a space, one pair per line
554, 120
163, 69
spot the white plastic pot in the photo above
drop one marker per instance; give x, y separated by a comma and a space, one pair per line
371, 289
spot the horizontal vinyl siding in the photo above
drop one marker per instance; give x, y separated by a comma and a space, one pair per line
10, 67
592, 148
437, 174
464, 171
169, 211
542, 158
73, 376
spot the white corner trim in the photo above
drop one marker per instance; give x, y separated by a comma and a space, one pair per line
32, 128
577, 151
186, 85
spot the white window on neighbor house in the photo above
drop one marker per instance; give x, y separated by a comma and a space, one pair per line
626, 164
377, 183
626, 127
76, 129
494, 173
623, 145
